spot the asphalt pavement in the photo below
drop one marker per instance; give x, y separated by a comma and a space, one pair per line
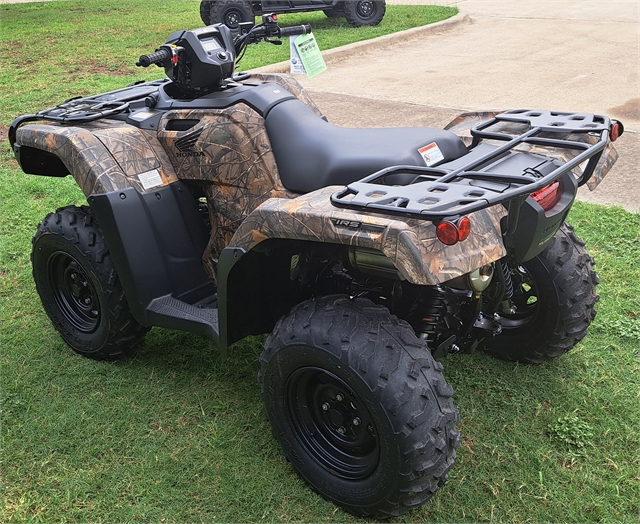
562, 55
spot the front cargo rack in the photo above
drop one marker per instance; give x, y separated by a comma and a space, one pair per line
87, 109
491, 175
81, 110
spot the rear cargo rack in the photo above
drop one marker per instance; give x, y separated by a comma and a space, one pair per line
492, 175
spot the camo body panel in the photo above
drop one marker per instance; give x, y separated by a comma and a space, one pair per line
101, 156
463, 123
411, 244
232, 158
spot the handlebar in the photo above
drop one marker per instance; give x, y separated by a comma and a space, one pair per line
267, 31
157, 57
295, 30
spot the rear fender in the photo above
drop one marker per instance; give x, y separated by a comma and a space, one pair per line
410, 244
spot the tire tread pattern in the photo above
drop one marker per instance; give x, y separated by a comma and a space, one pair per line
401, 375
572, 273
77, 225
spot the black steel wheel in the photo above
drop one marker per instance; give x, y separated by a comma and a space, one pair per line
73, 292
333, 422
79, 286
554, 297
364, 12
359, 405
227, 12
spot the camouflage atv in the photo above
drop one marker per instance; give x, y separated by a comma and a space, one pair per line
224, 204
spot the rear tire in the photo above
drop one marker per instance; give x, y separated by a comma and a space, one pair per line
362, 13
359, 405
79, 286
555, 295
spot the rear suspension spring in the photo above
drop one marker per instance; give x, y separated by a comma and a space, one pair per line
507, 304
432, 311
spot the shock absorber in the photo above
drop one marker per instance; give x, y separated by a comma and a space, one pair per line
432, 311
507, 305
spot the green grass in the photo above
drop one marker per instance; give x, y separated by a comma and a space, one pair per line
176, 435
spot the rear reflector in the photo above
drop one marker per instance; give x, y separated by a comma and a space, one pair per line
464, 228
450, 233
548, 196
447, 233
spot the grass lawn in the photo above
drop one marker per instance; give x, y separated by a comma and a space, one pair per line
176, 435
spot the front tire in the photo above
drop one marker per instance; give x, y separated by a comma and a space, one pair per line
359, 406
79, 286
555, 296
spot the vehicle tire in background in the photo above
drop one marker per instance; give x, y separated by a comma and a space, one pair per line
362, 13
227, 12
336, 11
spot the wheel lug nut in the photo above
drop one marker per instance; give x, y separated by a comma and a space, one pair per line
325, 406
339, 397
342, 430
356, 421
87, 301
74, 276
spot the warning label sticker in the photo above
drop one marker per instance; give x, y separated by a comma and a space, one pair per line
150, 179
431, 154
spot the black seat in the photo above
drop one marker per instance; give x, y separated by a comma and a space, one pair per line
311, 153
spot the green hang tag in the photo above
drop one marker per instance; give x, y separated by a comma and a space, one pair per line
310, 55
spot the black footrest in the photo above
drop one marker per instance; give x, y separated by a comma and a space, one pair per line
172, 313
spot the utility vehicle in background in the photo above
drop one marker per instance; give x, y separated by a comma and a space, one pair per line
358, 13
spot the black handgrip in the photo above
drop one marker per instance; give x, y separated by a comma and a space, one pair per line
295, 30
154, 58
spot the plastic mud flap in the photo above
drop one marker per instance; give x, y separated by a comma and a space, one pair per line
536, 226
156, 240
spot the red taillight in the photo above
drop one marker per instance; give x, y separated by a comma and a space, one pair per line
450, 233
548, 196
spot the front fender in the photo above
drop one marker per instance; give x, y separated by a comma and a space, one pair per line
102, 157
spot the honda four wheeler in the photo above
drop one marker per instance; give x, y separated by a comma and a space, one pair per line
224, 203
358, 13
